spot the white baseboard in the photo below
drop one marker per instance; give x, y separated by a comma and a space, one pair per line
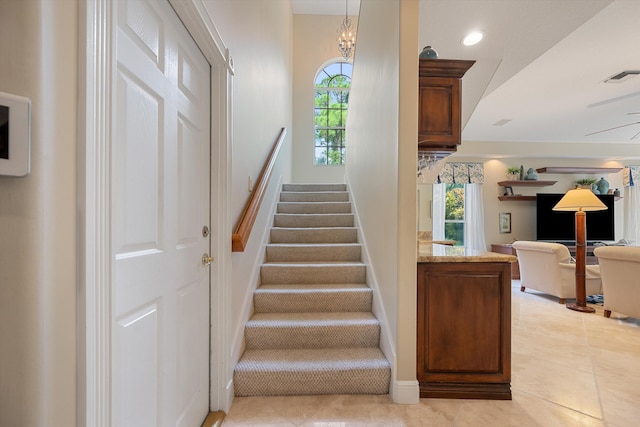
405, 392
229, 395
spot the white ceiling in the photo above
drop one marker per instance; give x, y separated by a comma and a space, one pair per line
324, 7
541, 65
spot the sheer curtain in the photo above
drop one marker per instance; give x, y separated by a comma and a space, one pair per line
438, 211
474, 215
632, 215
631, 182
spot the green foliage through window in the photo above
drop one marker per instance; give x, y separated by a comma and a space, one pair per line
454, 218
331, 100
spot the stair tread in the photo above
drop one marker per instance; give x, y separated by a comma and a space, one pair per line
314, 287
312, 264
331, 264
309, 319
319, 215
291, 359
313, 245
315, 228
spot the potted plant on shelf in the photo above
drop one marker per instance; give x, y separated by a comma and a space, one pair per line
586, 182
513, 174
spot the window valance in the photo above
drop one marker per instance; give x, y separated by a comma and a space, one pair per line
461, 173
631, 176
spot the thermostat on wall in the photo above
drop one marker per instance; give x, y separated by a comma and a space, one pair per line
15, 135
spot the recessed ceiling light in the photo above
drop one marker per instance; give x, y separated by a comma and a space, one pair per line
472, 38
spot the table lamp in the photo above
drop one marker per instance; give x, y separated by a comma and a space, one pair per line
580, 200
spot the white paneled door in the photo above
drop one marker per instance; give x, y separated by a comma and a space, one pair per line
160, 166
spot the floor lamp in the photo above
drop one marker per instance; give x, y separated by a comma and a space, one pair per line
580, 200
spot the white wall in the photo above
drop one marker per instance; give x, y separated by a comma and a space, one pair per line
259, 37
313, 48
38, 217
379, 146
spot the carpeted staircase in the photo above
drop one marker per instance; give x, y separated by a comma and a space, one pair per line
313, 331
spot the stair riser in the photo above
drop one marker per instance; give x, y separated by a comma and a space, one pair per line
338, 235
311, 337
314, 207
315, 253
313, 302
300, 383
301, 274
309, 221
314, 197
314, 187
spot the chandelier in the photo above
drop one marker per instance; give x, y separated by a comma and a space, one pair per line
346, 36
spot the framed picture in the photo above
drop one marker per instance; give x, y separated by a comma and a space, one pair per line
504, 222
15, 134
508, 191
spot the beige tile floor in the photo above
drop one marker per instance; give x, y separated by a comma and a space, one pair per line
568, 369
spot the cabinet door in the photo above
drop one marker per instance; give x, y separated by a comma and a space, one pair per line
439, 117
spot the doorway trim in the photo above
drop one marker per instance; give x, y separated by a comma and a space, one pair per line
94, 267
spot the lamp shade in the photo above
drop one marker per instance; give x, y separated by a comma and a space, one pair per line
580, 199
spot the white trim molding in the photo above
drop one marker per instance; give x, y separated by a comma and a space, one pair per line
94, 205
405, 392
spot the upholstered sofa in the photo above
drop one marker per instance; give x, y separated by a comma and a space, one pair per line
547, 267
620, 270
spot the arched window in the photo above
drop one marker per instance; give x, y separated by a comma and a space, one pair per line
331, 100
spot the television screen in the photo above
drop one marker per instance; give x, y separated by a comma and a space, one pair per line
560, 226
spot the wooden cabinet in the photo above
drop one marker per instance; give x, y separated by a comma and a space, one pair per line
509, 250
439, 105
464, 330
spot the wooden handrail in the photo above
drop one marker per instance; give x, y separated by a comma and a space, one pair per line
241, 235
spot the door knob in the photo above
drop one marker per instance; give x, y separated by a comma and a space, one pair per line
206, 259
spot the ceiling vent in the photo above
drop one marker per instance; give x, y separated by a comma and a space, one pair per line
622, 76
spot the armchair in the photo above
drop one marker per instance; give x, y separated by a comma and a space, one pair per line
547, 267
620, 269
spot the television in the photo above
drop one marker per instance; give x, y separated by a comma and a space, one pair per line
559, 226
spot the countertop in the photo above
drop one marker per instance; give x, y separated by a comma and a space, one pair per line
430, 252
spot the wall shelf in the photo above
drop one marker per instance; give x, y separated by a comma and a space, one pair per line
563, 169
526, 183
517, 198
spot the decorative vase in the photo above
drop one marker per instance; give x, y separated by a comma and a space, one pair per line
428, 53
603, 186
594, 188
616, 193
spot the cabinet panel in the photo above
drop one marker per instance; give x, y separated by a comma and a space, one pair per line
439, 120
464, 330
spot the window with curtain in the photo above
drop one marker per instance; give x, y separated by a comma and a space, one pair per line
332, 86
458, 207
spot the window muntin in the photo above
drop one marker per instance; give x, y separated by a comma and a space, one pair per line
330, 115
